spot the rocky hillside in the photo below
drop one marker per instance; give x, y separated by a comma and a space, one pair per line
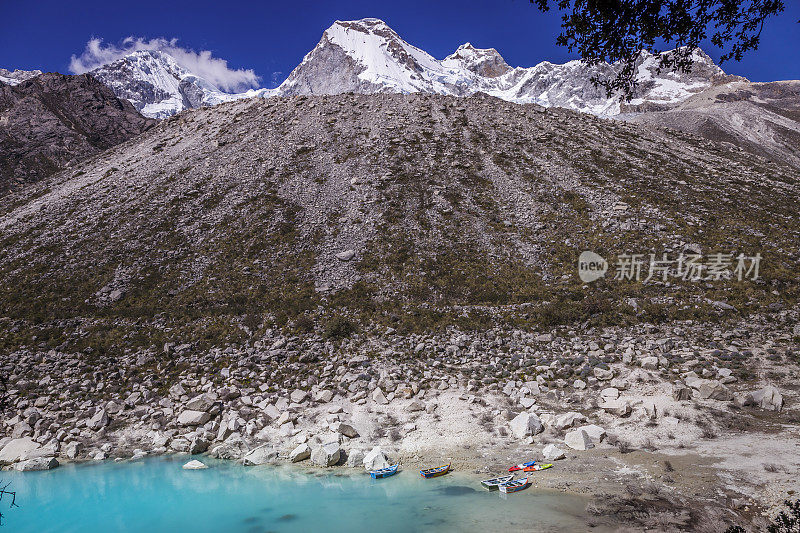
762, 118
336, 214
51, 121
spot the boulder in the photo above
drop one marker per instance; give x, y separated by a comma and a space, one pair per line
194, 464
190, 417
526, 424
379, 397
551, 452
299, 396
327, 454
202, 402
355, 458
602, 374
345, 429
301, 453
595, 432
615, 407
578, 439
346, 255
375, 459
715, 390
18, 450
260, 456
649, 363
568, 420
681, 392
198, 445
578, 384
323, 396
39, 463
609, 393
768, 398
72, 450
99, 420
415, 406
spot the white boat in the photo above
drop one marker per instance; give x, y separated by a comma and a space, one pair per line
495, 482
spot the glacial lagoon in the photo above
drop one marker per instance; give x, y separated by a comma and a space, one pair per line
156, 494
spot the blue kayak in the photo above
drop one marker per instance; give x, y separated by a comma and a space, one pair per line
384, 472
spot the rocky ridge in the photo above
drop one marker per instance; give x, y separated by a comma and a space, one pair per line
52, 120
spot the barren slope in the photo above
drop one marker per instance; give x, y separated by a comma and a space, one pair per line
223, 221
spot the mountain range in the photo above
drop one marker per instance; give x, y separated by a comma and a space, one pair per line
368, 57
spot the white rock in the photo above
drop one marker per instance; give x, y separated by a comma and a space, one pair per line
202, 402
346, 255
551, 452
568, 420
615, 407
299, 396
768, 398
578, 439
379, 397
18, 450
194, 464
39, 463
649, 363
193, 418
301, 453
259, 456
415, 406
715, 390
595, 432
610, 393
355, 458
323, 396
602, 374
526, 424
375, 459
99, 420
327, 454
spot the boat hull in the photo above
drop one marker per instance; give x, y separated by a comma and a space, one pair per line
435, 472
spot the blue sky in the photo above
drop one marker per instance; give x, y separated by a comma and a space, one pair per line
273, 37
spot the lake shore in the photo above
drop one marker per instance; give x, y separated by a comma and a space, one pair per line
671, 428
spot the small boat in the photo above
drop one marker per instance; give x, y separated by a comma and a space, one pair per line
435, 472
536, 468
521, 466
384, 472
514, 486
494, 483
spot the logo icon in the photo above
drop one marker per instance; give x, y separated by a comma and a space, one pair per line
591, 267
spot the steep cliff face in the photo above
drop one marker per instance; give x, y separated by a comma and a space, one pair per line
52, 120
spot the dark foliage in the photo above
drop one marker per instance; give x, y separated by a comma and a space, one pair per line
617, 30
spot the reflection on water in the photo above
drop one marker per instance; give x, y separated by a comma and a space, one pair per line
157, 495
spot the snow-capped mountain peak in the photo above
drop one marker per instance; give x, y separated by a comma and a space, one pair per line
485, 62
368, 56
158, 86
15, 77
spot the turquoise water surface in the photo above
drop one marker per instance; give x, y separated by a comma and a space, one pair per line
155, 495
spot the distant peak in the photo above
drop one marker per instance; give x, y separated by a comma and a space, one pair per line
483, 61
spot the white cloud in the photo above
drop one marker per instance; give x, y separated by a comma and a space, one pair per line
213, 69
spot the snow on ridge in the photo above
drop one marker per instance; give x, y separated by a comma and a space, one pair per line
367, 56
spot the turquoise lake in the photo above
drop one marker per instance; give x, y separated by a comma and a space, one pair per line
155, 495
